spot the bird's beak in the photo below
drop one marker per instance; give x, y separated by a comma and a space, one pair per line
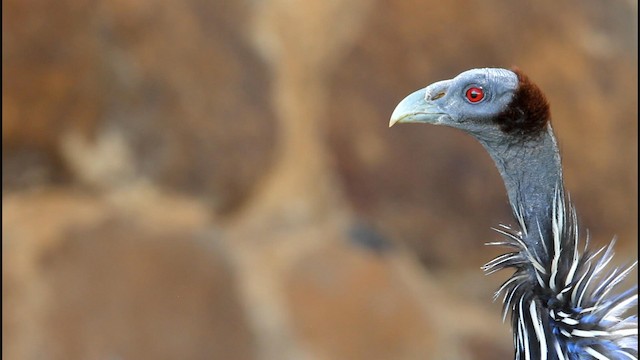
415, 108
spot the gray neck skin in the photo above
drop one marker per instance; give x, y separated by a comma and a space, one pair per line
531, 171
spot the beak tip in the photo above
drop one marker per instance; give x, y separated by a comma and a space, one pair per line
408, 108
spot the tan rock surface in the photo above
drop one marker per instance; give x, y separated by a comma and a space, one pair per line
216, 179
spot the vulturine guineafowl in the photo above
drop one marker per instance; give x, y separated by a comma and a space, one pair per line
564, 304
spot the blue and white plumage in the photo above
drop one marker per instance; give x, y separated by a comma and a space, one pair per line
563, 299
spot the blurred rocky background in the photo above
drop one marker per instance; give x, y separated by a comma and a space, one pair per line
203, 179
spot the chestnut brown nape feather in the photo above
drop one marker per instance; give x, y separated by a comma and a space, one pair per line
528, 113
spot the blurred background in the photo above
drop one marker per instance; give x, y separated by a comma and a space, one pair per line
203, 179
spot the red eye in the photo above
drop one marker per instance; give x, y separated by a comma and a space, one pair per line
475, 94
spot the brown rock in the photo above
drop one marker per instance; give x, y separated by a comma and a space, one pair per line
178, 82
277, 113
351, 304
82, 281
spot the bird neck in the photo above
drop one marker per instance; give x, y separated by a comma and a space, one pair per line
532, 174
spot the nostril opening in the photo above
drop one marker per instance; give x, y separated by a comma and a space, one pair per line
438, 95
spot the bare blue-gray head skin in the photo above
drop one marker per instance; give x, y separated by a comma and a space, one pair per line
445, 102
510, 117
558, 309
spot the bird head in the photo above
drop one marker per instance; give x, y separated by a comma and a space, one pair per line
488, 103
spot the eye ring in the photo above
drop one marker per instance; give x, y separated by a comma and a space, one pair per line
474, 94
